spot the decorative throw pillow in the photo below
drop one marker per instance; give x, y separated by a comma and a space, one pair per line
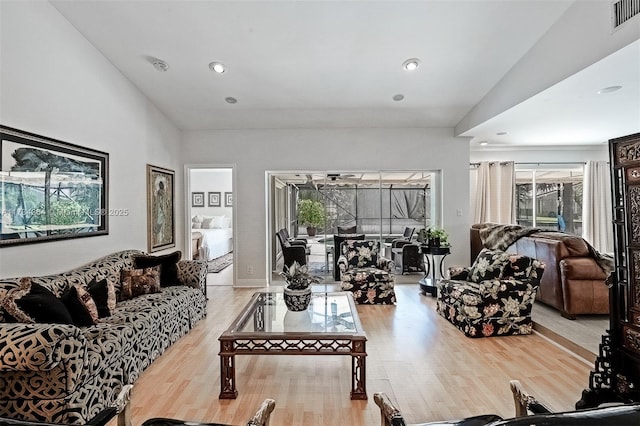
104, 295
488, 265
81, 306
32, 303
136, 282
218, 222
207, 223
168, 266
518, 267
196, 225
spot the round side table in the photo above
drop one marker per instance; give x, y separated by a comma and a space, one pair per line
428, 283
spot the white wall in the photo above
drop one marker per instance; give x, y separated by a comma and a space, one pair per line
55, 83
256, 151
581, 37
212, 180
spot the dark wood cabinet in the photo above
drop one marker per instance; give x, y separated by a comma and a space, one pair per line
616, 376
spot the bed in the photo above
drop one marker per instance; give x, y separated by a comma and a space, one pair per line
217, 236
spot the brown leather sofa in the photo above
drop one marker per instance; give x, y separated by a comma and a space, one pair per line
572, 282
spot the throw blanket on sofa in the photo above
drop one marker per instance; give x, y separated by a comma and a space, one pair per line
499, 237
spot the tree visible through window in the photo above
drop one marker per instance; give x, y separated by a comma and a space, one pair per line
550, 198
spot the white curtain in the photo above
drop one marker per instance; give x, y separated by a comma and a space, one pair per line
493, 198
597, 227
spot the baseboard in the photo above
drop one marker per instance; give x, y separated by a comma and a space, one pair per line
578, 350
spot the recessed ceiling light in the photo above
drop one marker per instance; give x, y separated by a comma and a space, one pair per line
231, 100
217, 67
398, 97
609, 89
160, 65
411, 64
501, 133
483, 143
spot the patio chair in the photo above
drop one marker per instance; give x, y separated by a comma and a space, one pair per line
292, 252
407, 256
294, 241
347, 229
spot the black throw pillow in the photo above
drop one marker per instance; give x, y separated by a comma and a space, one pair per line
104, 296
81, 306
168, 266
33, 303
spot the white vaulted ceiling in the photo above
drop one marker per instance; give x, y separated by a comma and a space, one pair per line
322, 64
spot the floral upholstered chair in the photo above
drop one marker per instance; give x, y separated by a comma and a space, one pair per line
493, 297
365, 273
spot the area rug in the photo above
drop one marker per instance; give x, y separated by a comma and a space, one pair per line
219, 263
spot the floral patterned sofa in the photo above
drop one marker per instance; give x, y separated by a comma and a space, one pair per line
66, 374
493, 297
365, 273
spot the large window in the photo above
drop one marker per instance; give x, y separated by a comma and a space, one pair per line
378, 204
550, 196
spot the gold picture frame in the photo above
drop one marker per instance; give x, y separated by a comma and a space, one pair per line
161, 229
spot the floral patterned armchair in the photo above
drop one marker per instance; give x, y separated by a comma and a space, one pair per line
365, 273
493, 297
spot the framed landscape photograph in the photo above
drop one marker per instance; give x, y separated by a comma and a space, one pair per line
214, 199
197, 199
51, 190
228, 199
161, 230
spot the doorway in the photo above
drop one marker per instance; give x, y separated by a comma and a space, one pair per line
210, 218
379, 204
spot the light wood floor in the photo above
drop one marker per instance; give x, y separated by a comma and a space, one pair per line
585, 331
426, 366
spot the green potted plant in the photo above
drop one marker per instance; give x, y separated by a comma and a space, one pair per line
311, 215
438, 237
297, 290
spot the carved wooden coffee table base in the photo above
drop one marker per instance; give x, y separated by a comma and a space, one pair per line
261, 329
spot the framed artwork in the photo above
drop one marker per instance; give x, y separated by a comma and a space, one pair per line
197, 199
51, 189
214, 199
228, 199
161, 230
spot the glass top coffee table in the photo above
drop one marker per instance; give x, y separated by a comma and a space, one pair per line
330, 326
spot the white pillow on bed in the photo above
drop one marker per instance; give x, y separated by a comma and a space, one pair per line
218, 222
197, 219
215, 222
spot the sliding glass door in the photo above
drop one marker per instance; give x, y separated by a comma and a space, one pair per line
378, 204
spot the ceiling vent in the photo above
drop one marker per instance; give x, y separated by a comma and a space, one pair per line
623, 10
